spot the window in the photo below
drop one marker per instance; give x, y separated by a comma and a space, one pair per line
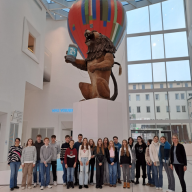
147, 97
137, 97
176, 96
148, 109
178, 108
157, 96
129, 97
182, 96
134, 87
167, 109
186, 84
166, 96
161, 86
158, 109
31, 43
159, 72
190, 94
189, 104
138, 110
170, 85
183, 109
143, 86
157, 46
178, 83
129, 109
151, 86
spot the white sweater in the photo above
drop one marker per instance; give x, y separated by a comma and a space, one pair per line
152, 154
84, 152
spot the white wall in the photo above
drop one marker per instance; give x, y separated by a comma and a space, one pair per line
63, 89
15, 66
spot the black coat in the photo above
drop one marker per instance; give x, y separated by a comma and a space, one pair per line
108, 155
180, 153
38, 147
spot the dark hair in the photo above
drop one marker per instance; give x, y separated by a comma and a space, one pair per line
156, 136
107, 142
115, 137
67, 136
53, 136
80, 135
28, 140
150, 140
17, 139
46, 138
140, 138
72, 140
131, 139
164, 138
39, 136
82, 146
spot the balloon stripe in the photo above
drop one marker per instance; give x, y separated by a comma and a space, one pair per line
111, 16
87, 11
101, 10
119, 12
83, 12
117, 34
90, 8
115, 15
115, 31
94, 8
105, 10
123, 16
113, 28
109, 11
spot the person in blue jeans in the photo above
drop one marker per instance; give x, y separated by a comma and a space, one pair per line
118, 146
14, 161
149, 163
38, 144
112, 157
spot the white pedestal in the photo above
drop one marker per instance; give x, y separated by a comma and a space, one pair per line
97, 118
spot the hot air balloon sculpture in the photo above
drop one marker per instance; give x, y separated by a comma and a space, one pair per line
97, 27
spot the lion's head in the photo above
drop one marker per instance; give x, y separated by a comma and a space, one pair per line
98, 45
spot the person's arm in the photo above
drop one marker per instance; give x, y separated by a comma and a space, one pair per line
65, 159
50, 157
130, 154
151, 154
75, 155
34, 155
89, 150
146, 156
108, 156
120, 157
22, 157
62, 153
184, 156
136, 152
58, 149
79, 156
41, 155
9, 156
116, 156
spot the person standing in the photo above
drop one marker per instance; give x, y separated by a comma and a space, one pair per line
92, 160
125, 157
132, 149
28, 160
112, 157
14, 161
100, 157
64, 147
157, 164
56, 151
46, 154
164, 155
150, 169
38, 144
77, 168
118, 146
178, 159
84, 158
140, 148
106, 167
70, 163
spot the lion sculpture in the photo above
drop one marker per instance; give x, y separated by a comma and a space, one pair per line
99, 63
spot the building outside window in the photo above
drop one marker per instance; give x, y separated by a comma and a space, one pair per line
167, 109
178, 108
157, 96
158, 109
186, 84
161, 86
183, 109
143, 86
129, 109
177, 96
129, 97
170, 85
166, 96
148, 109
151, 86
134, 87
182, 96
137, 97
138, 110
147, 97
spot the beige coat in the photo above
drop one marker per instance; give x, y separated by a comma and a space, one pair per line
147, 156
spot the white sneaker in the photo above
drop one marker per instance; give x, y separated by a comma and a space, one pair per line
22, 188
29, 187
157, 188
42, 188
160, 188
55, 183
49, 186
64, 184
35, 184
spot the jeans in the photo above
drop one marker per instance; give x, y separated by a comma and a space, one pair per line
64, 173
126, 173
45, 170
70, 174
54, 170
84, 169
132, 171
150, 178
91, 168
35, 169
118, 170
112, 172
158, 172
170, 176
180, 172
14, 172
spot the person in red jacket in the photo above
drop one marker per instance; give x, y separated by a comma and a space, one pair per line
70, 163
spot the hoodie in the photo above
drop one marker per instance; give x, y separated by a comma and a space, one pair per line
56, 150
38, 147
70, 156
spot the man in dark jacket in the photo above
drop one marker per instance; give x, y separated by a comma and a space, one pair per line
38, 144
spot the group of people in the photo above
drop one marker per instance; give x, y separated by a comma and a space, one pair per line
79, 158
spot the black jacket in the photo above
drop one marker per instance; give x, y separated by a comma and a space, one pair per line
180, 153
124, 159
108, 156
64, 147
140, 151
38, 147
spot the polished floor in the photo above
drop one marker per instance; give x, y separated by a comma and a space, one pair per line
134, 188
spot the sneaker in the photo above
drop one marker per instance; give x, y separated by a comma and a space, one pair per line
157, 188
72, 184
80, 186
68, 185
86, 186
119, 181
148, 184
49, 186
114, 185
11, 189
64, 184
22, 188
137, 182
16, 187
29, 187
55, 183
152, 185
160, 188
42, 188
132, 181
35, 185
110, 185
100, 187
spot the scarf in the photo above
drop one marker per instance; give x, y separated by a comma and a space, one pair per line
154, 152
164, 152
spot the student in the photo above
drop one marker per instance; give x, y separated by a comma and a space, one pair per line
164, 155
106, 167
70, 163
38, 144
76, 146
118, 146
92, 160
112, 157
157, 164
125, 157
149, 162
46, 154
100, 157
84, 157
140, 148
56, 151
28, 160
64, 147
14, 161
132, 149
178, 159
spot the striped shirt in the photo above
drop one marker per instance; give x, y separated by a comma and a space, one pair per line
14, 154
29, 155
64, 146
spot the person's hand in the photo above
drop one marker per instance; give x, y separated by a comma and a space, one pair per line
33, 165
121, 166
45, 162
81, 163
155, 164
61, 162
9, 164
74, 165
66, 166
92, 156
92, 68
171, 166
185, 168
100, 164
129, 166
112, 163
149, 164
87, 163
23, 165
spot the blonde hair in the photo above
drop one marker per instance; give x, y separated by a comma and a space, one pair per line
122, 148
102, 148
109, 147
175, 135
93, 144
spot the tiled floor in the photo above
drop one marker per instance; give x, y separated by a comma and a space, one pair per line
119, 188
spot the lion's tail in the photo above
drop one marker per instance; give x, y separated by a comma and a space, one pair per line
115, 82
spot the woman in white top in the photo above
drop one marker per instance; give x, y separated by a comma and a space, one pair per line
84, 157
157, 164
